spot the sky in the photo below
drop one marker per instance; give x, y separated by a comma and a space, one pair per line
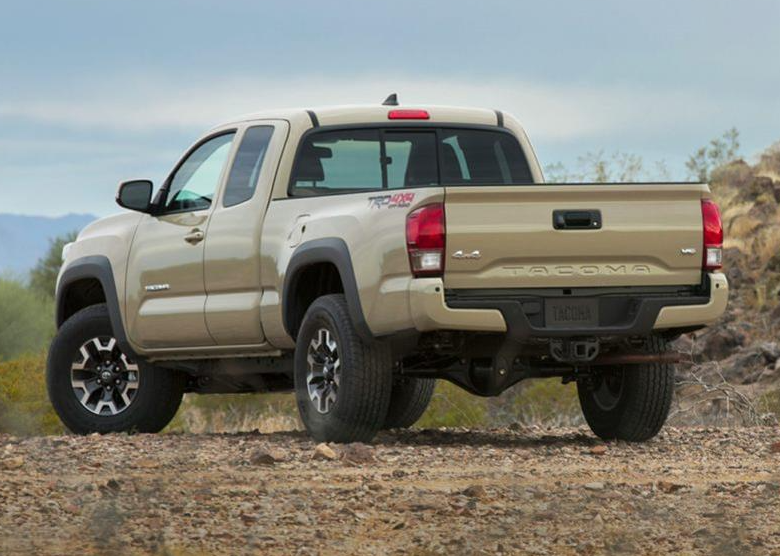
95, 92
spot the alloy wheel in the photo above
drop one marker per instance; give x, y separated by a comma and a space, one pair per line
103, 379
324, 374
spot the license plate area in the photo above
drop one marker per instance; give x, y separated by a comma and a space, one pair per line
571, 313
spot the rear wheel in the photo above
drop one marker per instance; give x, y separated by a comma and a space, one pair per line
409, 400
95, 387
342, 383
629, 402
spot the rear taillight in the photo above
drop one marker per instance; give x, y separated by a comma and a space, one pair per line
425, 239
407, 114
713, 235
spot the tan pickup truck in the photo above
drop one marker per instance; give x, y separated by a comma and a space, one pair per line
357, 254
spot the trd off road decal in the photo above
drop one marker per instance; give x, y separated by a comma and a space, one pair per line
397, 200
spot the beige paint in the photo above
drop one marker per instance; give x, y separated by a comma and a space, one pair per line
645, 227
226, 292
694, 315
232, 256
430, 312
377, 242
112, 238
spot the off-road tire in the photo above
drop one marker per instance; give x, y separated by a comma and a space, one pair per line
156, 401
365, 383
408, 402
642, 405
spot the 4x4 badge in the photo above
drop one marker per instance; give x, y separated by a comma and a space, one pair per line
461, 255
688, 251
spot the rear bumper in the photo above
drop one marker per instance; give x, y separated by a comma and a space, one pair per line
622, 311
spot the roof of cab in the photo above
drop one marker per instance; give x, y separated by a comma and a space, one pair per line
362, 114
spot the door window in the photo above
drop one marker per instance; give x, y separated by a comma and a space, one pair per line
248, 162
195, 182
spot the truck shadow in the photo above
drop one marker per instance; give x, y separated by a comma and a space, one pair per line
499, 438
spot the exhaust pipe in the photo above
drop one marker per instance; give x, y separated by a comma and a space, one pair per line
638, 358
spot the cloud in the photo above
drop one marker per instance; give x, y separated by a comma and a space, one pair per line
550, 111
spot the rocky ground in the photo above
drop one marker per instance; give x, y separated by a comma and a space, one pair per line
512, 491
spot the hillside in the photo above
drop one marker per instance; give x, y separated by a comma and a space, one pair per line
743, 348
26, 238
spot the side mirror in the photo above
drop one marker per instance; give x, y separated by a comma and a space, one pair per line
135, 195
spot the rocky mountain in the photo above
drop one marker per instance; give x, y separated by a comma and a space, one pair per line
737, 360
24, 239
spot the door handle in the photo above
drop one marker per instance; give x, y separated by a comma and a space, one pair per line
195, 237
577, 219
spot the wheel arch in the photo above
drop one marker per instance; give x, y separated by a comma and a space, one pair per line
333, 253
78, 289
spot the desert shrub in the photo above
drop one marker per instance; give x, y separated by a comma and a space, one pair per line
533, 402
718, 153
27, 323
43, 278
540, 401
769, 403
218, 413
599, 167
24, 406
452, 406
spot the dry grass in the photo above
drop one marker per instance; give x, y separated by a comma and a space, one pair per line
24, 405
227, 413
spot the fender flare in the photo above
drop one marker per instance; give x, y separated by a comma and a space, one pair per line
326, 250
99, 268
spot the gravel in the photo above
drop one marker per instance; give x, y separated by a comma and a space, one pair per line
518, 491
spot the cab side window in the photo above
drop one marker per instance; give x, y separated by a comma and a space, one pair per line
195, 182
338, 161
242, 180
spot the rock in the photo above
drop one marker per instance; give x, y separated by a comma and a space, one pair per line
475, 491
719, 343
357, 452
668, 487
745, 366
594, 486
12, 463
399, 473
146, 463
599, 450
770, 351
264, 456
775, 447
111, 486
323, 452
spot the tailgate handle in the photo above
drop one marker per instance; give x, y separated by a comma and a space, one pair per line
577, 219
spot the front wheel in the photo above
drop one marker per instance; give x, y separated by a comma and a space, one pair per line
629, 402
343, 384
95, 387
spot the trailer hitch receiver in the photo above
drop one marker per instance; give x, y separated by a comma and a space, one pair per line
574, 351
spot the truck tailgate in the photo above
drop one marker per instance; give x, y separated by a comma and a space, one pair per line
608, 235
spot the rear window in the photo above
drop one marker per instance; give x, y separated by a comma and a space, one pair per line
475, 157
345, 161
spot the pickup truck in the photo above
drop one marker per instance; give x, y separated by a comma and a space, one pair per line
355, 255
